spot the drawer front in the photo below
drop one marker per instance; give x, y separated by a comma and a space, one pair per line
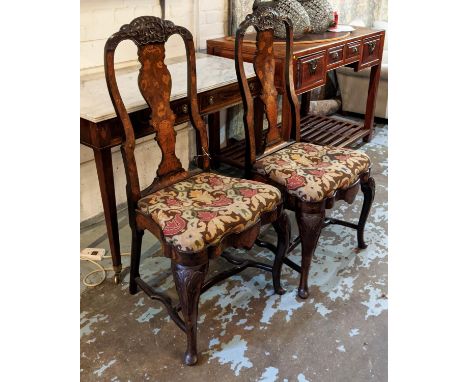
311, 71
335, 57
214, 100
353, 51
229, 53
370, 51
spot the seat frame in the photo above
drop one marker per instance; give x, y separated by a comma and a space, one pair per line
189, 268
310, 216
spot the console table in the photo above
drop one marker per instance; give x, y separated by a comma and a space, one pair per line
360, 49
101, 130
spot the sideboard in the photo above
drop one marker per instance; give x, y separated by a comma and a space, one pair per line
313, 56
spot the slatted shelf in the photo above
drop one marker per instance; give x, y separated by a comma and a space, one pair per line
314, 129
330, 131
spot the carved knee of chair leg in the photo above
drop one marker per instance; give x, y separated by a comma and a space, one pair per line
189, 281
310, 226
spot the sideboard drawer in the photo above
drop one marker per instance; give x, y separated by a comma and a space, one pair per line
211, 100
214, 100
370, 51
311, 71
352, 51
335, 57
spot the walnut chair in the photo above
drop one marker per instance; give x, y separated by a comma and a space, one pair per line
311, 177
194, 214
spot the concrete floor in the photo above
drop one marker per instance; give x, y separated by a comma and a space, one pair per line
245, 332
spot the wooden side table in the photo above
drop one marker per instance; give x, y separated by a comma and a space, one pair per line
313, 56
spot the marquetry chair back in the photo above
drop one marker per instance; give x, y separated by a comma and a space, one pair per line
263, 18
150, 34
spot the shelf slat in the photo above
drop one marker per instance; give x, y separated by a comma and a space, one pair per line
318, 130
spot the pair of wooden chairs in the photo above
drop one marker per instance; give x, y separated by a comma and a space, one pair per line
197, 214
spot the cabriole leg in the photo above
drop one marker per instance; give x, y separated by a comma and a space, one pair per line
282, 227
189, 281
137, 237
368, 189
310, 226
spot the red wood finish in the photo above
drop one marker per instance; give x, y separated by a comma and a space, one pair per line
371, 52
103, 160
335, 57
363, 48
311, 71
353, 51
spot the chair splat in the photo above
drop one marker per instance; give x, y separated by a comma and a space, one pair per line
264, 64
155, 85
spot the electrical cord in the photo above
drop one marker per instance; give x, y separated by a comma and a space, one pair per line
100, 269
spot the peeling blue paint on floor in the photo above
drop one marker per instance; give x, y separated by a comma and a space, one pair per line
269, 375
377, 301
148, 315
104, 367
245, 331
353, 332
233, 353
87, 329
286, 303
322, 309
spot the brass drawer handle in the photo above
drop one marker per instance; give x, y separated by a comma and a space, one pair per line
371, 45
335, 56
313, 65
354, 49
185, 108
211, 100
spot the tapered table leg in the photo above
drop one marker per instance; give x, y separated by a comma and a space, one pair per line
286, 118
214, 138
258, 122
371, 99
103, 159
305, 103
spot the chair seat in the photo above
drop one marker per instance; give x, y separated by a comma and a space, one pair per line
313, 172
201, 210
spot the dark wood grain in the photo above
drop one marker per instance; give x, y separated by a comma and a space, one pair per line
189, 268
262, 19
105, 172
155, 85
189, 281
102, 136
310, 226
310, 215
310, 65
264, 65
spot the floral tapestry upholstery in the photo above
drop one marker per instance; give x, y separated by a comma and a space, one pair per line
313, 172
199, 211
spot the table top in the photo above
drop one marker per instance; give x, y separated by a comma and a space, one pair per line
302, 45
212, 72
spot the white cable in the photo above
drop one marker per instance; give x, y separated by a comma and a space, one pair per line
100, 269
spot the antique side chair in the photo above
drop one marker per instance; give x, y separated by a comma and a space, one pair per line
194, 214
311, 177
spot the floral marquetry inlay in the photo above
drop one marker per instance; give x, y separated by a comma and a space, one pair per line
264, 64
155, 84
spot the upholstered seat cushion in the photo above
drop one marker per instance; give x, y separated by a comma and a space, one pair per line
313, 172
201, 210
